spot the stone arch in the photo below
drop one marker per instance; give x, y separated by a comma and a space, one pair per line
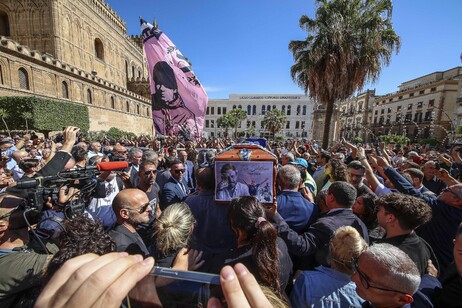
4, 23
23, 79
99, 49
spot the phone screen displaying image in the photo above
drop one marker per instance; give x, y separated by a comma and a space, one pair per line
185, 288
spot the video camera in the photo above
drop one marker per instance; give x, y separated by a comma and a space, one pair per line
40, 190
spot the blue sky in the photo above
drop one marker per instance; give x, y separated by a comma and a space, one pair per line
241, 46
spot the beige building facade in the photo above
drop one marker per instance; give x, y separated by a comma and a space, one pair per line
76, 51
297, 108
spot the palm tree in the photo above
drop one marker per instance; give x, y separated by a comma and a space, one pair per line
4, 114
224, 122
27, 116
274, 121
236, 116
347, 45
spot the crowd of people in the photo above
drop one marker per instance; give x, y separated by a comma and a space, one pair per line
353, 225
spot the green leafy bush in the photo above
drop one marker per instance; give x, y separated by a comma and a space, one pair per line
43, 114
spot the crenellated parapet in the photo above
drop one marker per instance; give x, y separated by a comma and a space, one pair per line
104, 9
12, 47
137, 39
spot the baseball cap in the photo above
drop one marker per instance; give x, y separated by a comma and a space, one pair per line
300, 161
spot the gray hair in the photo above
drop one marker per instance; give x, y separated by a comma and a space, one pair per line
134, 151
150, 156
290, 155
289, 177
402, 273
173, 228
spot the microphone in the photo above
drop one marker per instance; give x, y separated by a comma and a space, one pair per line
112, 165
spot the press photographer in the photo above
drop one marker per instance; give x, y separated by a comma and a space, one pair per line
21, 259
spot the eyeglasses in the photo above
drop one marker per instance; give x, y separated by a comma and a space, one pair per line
148, 172
452, 192
365, 282
178, 171
144, 207
356, 175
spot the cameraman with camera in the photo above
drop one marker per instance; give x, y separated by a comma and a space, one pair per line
22, 260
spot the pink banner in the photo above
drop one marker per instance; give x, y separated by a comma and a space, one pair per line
179, 101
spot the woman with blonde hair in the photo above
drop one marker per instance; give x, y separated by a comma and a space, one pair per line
172, 232
332, 287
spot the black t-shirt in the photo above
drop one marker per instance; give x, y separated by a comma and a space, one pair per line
146, 230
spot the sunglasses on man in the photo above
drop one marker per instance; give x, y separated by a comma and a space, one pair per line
144, 207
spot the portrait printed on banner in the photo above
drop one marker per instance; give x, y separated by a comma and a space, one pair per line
244, 178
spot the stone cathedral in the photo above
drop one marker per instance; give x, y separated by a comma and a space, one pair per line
76, 51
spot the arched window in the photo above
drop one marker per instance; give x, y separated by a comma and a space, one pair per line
23, 79
263, 109
4, 24
133, 72
274, 107
65, 90
139, 74
249, 109
304, 110
138, 109
288, 109
268, 108
112, 102
234, 106
240, 107
89, 98
284, 108
298, 109
127, 106
254, 110
147, 111
99, 49
126, 69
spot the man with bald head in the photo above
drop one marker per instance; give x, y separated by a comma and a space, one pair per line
132, 208
430, 180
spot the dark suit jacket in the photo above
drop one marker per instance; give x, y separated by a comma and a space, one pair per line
315, 241
172, 193
128, 241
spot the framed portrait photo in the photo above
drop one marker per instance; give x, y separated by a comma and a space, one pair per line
244, 178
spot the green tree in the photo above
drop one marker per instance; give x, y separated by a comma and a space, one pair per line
4, 114
348, 43
235, 117
224, 122
27, 116
274, 121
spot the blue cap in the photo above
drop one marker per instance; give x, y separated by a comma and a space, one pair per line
300, 161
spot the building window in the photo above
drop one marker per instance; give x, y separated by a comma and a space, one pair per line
288, 110
23, 79
212, 123
218, 110
431, 103
4, 24
288, 122
234, 106
283, 109
398, 109
263, 107
207, 123
400, 97
409, 107
240, 107
126, 69
212, 110
304, 110
382, 111
421, 91
433, 89
224, 110
147, 112
298, 109
133, 72
254, 110
89, 97
419, 104
249, 109
274, 107
138, 109
64, 90
99, 49
208, 110
297, 124
268, 108
112, 102
376, 112
127, 106
411, 94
